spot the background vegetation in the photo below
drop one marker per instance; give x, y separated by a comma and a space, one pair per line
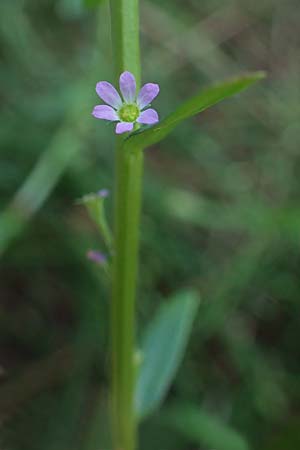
221, 214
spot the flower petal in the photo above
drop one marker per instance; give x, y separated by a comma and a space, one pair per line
108, 94
105, 112
95, 256
103, 193
122, 127
128, 87
148, 92
149, 116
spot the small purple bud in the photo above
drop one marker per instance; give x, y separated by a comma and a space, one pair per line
97, 257
103, 193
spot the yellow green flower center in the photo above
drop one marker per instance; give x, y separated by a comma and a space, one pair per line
129, 113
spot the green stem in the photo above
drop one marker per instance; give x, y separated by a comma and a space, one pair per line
127, 210
125, 37
129, 167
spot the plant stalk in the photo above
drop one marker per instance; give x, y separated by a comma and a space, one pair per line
128, 175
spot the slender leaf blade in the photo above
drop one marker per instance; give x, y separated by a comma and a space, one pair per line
191, 107
204, 429
163, 348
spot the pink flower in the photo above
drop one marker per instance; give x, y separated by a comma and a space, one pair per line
129, 110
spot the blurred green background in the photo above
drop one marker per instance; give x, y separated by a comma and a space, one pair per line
221, 214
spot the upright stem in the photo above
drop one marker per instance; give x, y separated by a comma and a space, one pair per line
125, 38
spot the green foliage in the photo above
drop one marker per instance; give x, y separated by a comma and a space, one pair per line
94, 204
205, 429
162, 348
191, 107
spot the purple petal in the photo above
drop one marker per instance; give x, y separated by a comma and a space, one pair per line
148, 92
122, 127
95, 256
105, 112
128, 87
103, 193
149, 116
108, 94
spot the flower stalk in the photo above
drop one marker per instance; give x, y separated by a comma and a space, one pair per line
128, 175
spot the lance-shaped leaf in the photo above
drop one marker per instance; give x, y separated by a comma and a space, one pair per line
163, 348
191, 107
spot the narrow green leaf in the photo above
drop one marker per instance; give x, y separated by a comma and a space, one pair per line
193, 106
205, 429
163, 348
